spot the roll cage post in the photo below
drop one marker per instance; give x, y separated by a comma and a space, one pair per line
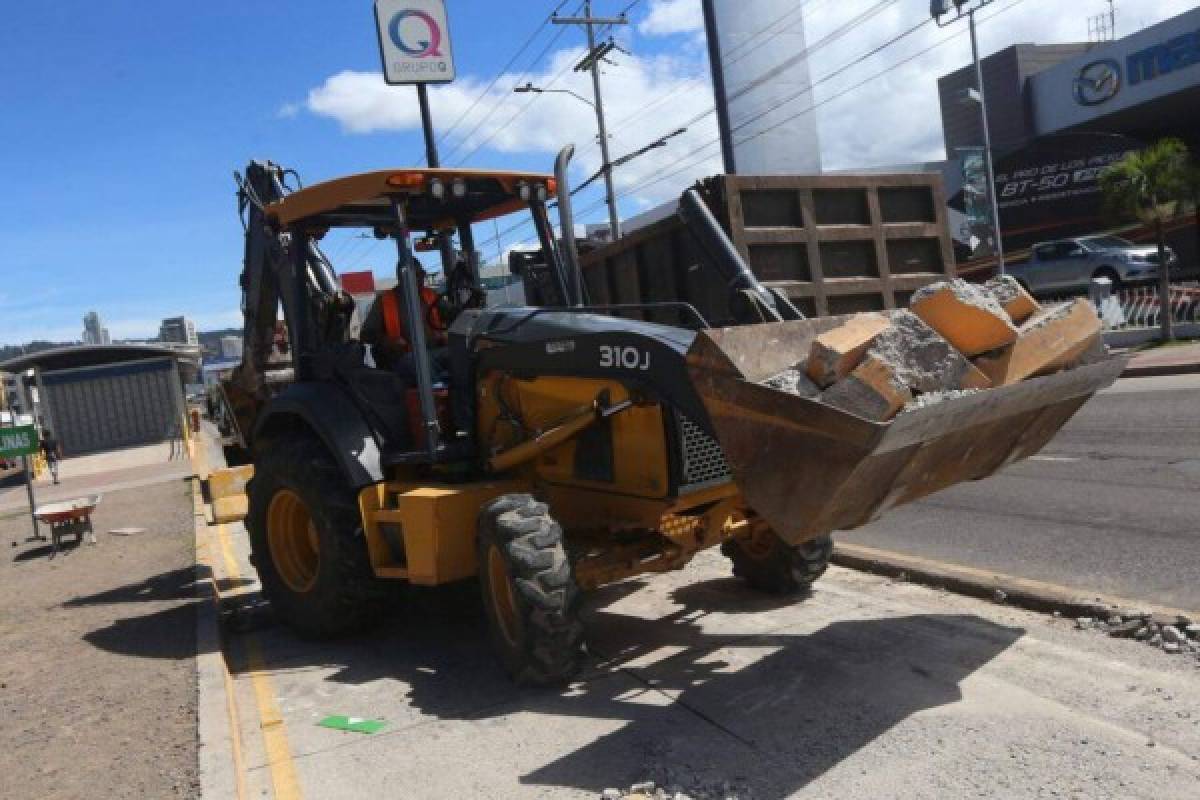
414, 319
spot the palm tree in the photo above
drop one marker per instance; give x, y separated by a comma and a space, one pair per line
1151, 184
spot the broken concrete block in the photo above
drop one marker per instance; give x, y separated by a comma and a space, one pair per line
965, 315
1012, 297
921, 359
793, 381
835, 353
873, 391
1055, 338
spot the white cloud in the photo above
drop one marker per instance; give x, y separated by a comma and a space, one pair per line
644, 97
668, 17
892, 119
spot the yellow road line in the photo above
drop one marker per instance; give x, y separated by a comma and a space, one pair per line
284, 780
235, 734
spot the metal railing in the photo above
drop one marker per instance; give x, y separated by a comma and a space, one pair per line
1133, 308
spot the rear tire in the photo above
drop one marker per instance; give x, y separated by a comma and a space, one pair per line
529, 592
769, 564
307, 542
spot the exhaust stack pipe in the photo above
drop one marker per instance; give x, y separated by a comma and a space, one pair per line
566, 220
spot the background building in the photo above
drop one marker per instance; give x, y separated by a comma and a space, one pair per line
760, 74
180, 330
94, 331
102, 397
1060, 114
231, 347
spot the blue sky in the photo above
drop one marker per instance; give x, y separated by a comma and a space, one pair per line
123, 122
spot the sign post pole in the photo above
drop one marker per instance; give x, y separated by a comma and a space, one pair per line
37, 534
414, 45
22, 441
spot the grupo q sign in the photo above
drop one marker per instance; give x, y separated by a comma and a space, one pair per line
414, 41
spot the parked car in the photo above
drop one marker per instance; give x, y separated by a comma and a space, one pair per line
1071, 264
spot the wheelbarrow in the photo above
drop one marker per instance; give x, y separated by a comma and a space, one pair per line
67, 518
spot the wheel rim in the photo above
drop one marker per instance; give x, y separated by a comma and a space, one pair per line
292, 537
503, 601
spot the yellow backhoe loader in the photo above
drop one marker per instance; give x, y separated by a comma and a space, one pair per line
547, 451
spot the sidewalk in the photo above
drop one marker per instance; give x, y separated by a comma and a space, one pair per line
100, 472
1181, 359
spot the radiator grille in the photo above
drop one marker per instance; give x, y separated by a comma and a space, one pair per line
703, 461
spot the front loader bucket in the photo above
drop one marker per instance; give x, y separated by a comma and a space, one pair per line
808, 469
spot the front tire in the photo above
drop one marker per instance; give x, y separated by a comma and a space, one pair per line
769, 564
307, 542
529, 592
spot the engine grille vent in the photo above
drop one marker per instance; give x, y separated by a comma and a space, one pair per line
703, 461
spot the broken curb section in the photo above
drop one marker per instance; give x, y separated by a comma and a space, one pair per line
1021, 592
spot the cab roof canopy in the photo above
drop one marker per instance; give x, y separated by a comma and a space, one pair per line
434, 198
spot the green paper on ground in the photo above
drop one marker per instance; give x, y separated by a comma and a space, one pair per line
353, 724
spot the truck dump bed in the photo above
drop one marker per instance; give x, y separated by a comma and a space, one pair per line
809, 469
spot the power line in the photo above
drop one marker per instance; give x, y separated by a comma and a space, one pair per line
525, 46
829, 38
814, 106
500, 101
701, 148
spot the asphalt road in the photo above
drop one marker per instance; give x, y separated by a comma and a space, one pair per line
1111, 505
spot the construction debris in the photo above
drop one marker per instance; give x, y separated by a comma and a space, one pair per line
794, 381
923, 360
650, 791
1012, 297
873, 390
965, 315
1169, 633
1053, 339
878, 364
837, 352
933, 398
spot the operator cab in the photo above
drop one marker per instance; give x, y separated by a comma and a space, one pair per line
422, 409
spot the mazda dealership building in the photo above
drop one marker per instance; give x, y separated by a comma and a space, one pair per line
1058, 115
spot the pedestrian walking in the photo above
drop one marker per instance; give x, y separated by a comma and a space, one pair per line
52, 450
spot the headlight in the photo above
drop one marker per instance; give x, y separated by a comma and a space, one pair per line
459, 187
523, 191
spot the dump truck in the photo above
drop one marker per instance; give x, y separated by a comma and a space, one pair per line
544, 452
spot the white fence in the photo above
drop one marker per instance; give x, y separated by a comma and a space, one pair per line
1138, 308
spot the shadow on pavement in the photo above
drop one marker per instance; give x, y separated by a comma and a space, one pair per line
169, 634
179, 584
769, 713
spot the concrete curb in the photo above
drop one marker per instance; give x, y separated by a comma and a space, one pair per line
221, 766
1020, 592
1160, 370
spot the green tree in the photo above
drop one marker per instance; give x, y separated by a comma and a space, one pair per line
1151, 184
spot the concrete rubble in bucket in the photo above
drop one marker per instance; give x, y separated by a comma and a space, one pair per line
956, 339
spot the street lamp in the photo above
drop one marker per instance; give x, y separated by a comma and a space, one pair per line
530, 88
947, 12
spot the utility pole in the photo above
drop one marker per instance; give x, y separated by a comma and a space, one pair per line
717, 67
938, 10
592, 62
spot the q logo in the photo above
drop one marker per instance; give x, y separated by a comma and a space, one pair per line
427, 46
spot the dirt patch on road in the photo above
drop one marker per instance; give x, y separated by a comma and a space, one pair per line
97, 654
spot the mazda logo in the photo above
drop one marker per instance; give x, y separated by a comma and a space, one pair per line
1098, 82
